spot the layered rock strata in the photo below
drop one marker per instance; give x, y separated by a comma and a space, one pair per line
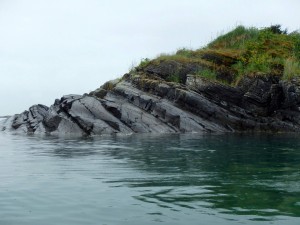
149, 104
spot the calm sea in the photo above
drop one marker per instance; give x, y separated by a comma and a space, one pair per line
150, 179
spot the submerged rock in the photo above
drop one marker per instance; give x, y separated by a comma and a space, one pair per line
137, 104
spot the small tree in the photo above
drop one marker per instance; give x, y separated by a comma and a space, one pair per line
276, 29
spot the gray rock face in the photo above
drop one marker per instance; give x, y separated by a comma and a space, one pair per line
138, 105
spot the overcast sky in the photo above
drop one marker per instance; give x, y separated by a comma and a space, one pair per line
49, 48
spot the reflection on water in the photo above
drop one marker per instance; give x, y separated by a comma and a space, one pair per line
168, 178
236, 174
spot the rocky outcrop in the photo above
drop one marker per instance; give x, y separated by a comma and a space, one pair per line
145, 104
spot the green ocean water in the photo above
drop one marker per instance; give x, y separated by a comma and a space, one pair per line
150, 179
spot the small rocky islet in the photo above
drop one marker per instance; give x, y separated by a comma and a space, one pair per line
247, 80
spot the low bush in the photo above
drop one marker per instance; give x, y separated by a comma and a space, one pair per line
173, 78
207, 73
242, 51
291, 69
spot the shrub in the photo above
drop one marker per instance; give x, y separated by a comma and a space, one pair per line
173, 78
239, 67
297, 49
296, 37
237, 53
276, 29
144, 62
207, 73
291, 69
259, 63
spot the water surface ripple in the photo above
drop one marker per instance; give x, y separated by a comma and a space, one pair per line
150, 179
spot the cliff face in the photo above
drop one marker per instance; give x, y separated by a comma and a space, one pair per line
144, 104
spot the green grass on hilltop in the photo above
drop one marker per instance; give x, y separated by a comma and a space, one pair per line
235, 39
242, 51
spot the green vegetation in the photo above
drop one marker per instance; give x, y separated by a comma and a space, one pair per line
242, 51
291, 69
144, 62
173, 78
208, 74
235, 39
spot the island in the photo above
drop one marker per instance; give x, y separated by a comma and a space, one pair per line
247, 80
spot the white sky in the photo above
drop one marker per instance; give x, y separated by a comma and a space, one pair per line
49, 48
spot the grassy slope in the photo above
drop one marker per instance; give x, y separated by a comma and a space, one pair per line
242, 51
